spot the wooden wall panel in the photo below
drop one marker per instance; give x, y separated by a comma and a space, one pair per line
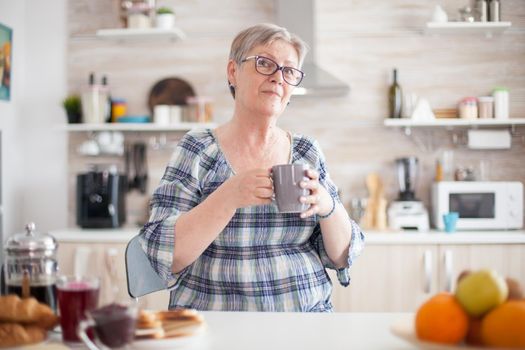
359, 41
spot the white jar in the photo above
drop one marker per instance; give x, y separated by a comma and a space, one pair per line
138, 21
501, 103
161, 114
175, 114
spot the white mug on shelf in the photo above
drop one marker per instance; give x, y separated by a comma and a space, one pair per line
161, 114
175, 114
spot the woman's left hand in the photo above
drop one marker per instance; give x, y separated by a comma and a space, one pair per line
319, 198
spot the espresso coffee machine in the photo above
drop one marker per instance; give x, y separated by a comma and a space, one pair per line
101, 195
407, 212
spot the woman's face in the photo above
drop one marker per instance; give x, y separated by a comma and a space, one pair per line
264, 94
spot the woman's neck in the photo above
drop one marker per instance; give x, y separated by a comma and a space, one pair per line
256, 131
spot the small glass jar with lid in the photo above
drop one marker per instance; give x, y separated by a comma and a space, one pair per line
468, 108
485, 107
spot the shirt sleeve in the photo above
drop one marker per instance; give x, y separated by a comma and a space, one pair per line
178, 192
357, 239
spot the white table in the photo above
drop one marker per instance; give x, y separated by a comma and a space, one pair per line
290, 331
304, 331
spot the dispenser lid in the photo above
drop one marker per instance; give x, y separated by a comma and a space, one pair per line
31, 241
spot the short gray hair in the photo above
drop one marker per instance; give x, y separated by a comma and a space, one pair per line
262, 34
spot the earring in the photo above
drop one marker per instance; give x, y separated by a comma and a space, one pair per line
288, 102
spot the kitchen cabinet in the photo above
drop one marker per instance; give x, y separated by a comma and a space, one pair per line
105, 260
398, 278
508, 260
387, 278
396, 272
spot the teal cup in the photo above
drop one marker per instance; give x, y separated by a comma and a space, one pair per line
450, 220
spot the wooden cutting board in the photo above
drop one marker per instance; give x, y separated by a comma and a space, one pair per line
375, 213
169, 91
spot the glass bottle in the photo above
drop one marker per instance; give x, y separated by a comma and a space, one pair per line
395, 98
107, 96
495, 11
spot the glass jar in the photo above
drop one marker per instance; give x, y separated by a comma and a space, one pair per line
485, 107
118, 109
468, 108
199, 109
30, 267
139, 14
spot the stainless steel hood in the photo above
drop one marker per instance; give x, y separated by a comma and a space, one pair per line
298, 16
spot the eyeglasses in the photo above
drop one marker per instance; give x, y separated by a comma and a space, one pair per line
267, 66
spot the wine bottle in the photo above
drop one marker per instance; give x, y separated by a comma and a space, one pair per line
395, 98
107, 96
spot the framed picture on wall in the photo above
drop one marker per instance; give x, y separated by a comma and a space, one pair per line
6, 60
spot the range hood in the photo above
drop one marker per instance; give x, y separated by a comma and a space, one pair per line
298, 16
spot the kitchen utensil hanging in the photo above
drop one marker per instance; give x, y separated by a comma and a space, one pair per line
136, 167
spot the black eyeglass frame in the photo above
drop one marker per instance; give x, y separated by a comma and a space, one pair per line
277, 67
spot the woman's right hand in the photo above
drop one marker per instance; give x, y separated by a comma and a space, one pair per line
253, 187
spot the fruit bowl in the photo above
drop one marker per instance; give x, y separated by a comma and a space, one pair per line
405, 329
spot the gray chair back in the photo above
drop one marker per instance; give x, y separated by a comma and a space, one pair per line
141, 277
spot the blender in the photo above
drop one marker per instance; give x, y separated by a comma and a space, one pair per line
407, 212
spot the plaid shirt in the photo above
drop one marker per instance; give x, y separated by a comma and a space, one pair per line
262, 260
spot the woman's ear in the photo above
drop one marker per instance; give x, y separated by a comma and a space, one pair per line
231, 71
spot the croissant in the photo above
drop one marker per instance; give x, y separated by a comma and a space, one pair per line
14, 334
26, 311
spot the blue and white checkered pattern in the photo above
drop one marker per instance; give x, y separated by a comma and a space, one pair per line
262, 260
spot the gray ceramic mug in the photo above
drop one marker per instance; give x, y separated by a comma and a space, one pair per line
286, 184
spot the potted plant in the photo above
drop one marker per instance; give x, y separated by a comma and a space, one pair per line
73, 108
165, 18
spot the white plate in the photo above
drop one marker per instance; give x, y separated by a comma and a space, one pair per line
169, 343
405, 329
43, 346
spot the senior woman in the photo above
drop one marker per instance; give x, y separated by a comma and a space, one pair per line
214, 235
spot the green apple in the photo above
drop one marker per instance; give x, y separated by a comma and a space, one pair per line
480, 291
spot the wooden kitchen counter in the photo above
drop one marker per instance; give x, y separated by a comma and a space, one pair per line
440, 237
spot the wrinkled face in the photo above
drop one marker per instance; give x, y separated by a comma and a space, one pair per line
263, 94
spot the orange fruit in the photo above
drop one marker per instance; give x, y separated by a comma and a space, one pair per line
441, 319
504, 326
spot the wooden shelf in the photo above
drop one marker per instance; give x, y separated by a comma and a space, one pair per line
138, 127
451, 122
141, 34
487, 28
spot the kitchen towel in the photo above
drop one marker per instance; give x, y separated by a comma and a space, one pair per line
489, 139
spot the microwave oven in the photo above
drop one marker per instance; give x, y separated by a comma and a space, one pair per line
487, 205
